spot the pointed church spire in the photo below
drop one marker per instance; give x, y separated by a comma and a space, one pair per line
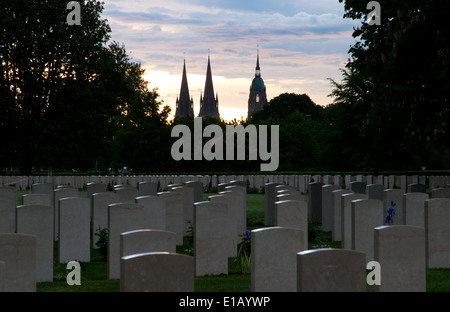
257, 97
209, 103
257, 70
184, 103
209, 88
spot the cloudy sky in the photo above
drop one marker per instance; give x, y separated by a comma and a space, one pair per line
301, 44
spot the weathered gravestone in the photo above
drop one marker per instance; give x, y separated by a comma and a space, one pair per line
437, 230
413, 207
74, 241
174, 214
315, 202
37, 199
126, 194
327, 206
336, 232
440, 192
187, 197
157, 272
417, 187
358, 187
331, 270
59, 193
5, 224
270, 194
400, 251
273, 266
146, 240
9, 197
211, 238
37, 220
95, 187
235, 237
346, 218
366, 215
375, 191
122, 218
288, 192
147, 188
42, 188
156, 206
18, 254
241, 211
293, 214
198, 190
99, 211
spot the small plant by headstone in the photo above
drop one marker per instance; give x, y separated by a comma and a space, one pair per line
102, 242
244, 253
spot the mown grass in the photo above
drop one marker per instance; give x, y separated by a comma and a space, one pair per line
94, 273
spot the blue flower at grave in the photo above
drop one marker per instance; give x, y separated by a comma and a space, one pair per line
390, 214
247, 234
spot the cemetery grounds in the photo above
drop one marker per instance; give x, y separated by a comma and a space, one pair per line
94, 273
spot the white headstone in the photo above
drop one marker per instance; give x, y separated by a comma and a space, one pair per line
99, 210
18, 255
37, 220
293, 214
437, 229
146, 240
59, 193
327, 206
122, 218
366, 215
74, 229
400, 250
156, 206
174, 214
211, 234
413, 206
346, 217
274, 263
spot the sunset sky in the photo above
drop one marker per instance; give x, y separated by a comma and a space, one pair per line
301, 44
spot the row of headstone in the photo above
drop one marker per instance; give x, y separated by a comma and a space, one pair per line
352, 214
367, 214
170, 211
69, 221
273, 193
300, 182
148, 258
280, 262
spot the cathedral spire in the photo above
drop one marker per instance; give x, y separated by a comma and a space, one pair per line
209, 106
257, 97
184, 105
258, 69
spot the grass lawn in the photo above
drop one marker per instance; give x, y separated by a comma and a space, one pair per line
94, 273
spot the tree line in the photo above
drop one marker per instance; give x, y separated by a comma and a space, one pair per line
73, 99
